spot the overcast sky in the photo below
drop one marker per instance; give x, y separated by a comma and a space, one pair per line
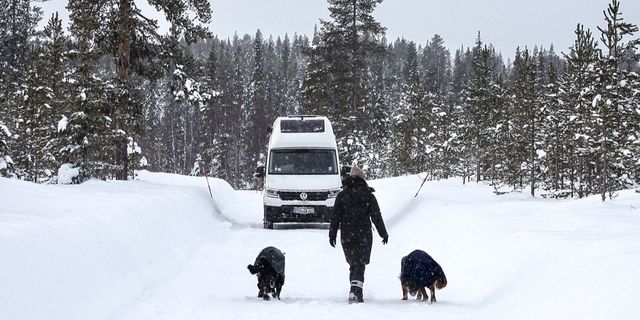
506, 24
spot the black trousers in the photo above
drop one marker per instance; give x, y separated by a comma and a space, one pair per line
356, 272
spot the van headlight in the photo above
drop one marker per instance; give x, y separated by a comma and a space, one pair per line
333, 193
272, 193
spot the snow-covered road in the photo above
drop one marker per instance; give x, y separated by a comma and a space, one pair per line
159, 248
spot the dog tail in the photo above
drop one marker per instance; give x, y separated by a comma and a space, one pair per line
442, 281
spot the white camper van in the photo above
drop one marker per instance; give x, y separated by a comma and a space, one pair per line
302, 172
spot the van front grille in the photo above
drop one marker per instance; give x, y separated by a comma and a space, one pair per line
311, 196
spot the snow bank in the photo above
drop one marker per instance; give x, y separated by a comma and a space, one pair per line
160, 248
240, 208
80, 252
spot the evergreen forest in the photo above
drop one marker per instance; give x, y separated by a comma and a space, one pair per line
110, 95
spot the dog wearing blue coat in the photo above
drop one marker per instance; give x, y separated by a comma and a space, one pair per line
419, 271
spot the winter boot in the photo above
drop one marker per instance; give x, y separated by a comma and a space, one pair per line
355, 295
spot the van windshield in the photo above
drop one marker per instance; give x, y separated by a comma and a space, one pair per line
303, 161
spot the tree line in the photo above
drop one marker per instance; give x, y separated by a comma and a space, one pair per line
113, 96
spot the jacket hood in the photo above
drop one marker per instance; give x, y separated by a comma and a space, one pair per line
355, 182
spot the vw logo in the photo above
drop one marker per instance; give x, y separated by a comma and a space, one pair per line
303, 196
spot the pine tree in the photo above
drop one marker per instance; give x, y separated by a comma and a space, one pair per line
238, 152
183, 100
457, 91
437, 69
612, 104
377, 156
479, 105
43, 90
407, 116
316, 95
554, 123
55, 63
578, 86
525, 115
85, 130
340, 61
118, 28
36, 122
17, 22
17, 26
256, 114
213, 110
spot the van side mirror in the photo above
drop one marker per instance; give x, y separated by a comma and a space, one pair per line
345, 171
259, 172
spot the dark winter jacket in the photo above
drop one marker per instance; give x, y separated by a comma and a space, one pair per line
354, 210
274, 257
420, 270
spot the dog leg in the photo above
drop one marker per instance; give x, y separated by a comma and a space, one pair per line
266, 297
423, 293
433, 294
405, 292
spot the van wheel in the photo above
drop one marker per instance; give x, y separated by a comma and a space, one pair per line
268, 224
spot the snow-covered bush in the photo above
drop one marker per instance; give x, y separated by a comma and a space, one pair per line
68, 174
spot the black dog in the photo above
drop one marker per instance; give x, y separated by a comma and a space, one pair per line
419, 271
269, 266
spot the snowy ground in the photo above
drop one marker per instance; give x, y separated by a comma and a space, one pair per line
159, 248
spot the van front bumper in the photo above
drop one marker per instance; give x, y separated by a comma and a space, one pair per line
290, 213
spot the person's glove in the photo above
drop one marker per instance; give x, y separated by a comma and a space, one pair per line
332, 242
385, 239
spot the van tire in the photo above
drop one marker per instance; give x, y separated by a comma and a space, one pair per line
267, 224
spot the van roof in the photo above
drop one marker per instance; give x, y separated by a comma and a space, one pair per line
315, 138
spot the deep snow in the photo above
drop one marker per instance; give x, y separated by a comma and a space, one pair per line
160, 248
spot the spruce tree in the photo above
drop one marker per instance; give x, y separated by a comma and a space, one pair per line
84, 129
457, 91
340, 60
119, 29
44, 90
578, 86
612, 104
407, 116
256, 114
525, 115
437, 75
554, 125
478, 109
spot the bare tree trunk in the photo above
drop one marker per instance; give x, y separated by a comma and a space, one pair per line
173, 143
605, 181
123, 57
185, 166
354, 103
533, 153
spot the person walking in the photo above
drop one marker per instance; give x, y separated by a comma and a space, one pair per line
354, 210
